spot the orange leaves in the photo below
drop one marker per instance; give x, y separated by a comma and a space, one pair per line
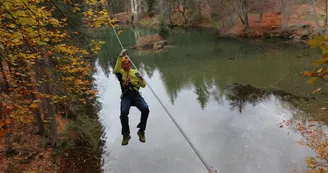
7, 109
322, 170
317, 90
316, 139
308, 74
4, 127
34, 106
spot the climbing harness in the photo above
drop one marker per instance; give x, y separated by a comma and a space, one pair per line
170, 115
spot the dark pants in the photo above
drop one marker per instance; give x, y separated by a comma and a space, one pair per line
133, 100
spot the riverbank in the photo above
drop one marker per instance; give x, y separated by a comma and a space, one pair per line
32, 152
298, 26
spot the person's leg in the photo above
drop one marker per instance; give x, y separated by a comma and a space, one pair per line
141, 104
125, 109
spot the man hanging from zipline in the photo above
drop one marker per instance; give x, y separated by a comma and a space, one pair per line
131, 81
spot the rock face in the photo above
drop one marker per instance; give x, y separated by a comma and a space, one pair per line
150, 42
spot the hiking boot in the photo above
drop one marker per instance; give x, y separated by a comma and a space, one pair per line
141, 135
126, 139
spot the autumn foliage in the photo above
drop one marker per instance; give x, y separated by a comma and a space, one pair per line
316, 139
43, 70
313, 135
320, 71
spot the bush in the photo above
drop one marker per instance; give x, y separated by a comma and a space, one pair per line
163, 30
84, 131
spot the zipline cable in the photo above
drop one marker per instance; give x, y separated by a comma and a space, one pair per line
170, 115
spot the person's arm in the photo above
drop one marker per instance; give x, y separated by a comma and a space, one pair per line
141, 81
118, 67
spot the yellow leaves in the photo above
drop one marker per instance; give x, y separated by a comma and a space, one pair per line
119, 32
55, 22
83, 101
113, 21
92, 2
76, 8
317, 41
37, 33
96, 19
84, 52
311, 162
89, 13
96, 46
12, 26
312, 80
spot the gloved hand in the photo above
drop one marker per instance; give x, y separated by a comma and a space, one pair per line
139, 76
123, 52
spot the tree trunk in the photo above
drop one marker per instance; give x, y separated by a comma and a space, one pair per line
282, 14
51, 112
135, 10
183, 11
6, 71
37, 112
315, 13
2, 81
261, 13
38, 117
53, 123
242, 20
326, 11
199, 11
285, 14
244, 8
246, 21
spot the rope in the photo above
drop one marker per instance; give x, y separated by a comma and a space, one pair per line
170, 115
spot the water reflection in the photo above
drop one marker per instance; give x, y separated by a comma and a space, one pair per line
242, 95
239, 96
208, 81
201, 61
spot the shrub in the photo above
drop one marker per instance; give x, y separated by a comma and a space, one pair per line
163, 30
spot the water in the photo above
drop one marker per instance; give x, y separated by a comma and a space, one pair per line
229, 96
